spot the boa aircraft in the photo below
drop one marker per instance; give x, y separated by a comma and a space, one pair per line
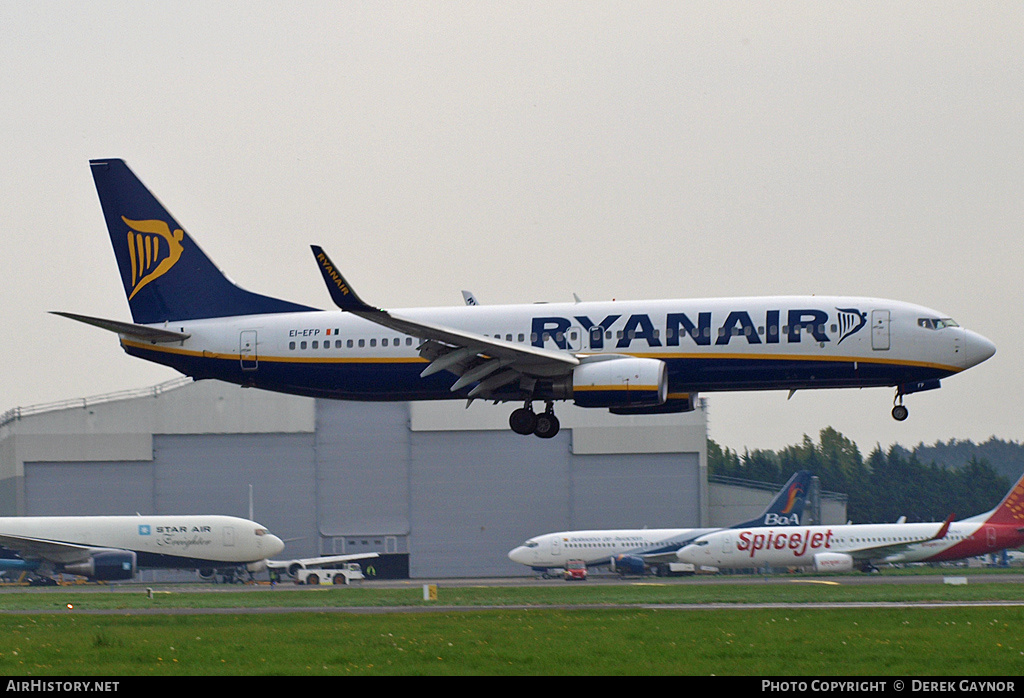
635, 551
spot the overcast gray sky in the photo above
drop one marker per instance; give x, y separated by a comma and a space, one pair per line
528, 151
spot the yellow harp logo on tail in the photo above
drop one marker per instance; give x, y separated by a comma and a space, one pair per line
153, 250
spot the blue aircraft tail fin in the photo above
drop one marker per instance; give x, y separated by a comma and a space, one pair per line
788, 506
166, 276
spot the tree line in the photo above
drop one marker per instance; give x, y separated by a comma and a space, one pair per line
887, 484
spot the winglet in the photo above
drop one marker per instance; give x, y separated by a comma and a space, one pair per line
341, 293
945, 528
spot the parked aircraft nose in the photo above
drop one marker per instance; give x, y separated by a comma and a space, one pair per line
977, 348
518, 555
273, 544
687, 553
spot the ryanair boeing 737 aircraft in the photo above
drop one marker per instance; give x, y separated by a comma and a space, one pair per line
631, 357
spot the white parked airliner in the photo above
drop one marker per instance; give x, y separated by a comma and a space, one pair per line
841, 548
632, 357
108, 548
637, 550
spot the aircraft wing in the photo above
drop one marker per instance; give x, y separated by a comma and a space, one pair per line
476, 358
49, 550
881, 551
654, 558
318, 561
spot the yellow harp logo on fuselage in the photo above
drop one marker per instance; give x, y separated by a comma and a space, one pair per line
153, 250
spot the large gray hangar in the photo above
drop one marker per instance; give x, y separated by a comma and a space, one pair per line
445, 488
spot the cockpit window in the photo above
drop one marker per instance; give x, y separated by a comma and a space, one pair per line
260, 531
530, 544
934, 323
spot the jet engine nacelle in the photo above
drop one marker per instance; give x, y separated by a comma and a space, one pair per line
832, 562
628, 564
105, 566
623, 382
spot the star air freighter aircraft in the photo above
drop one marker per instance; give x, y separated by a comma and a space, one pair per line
631, 357
109, 548
841, 548
635, 551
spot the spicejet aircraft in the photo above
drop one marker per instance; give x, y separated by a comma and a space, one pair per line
634, 551
110, 548
841, 548
632, 357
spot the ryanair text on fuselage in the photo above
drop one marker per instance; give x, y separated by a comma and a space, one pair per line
738, 324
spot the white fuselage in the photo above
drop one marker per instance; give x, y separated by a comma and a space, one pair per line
159, 541
877, 543
598, 546
707, 345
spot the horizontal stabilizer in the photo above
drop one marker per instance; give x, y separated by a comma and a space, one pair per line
148, 334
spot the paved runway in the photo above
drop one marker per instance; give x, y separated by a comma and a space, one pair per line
141, 587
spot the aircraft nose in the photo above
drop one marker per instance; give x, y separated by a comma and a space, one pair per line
977, 348
685, 554
518, 555
274, 544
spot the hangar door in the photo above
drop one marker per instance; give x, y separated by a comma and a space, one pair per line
211, 474
89, 488
362, 469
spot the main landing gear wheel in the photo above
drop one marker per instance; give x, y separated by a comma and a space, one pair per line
523, 421
547, 425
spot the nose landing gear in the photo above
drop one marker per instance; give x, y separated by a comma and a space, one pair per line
525, 421
899, 412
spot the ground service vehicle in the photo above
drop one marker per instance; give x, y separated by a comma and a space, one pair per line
575, 569
344, 575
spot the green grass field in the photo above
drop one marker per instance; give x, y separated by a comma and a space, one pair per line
538, 640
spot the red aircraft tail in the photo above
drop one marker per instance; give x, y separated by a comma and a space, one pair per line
1011, 510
